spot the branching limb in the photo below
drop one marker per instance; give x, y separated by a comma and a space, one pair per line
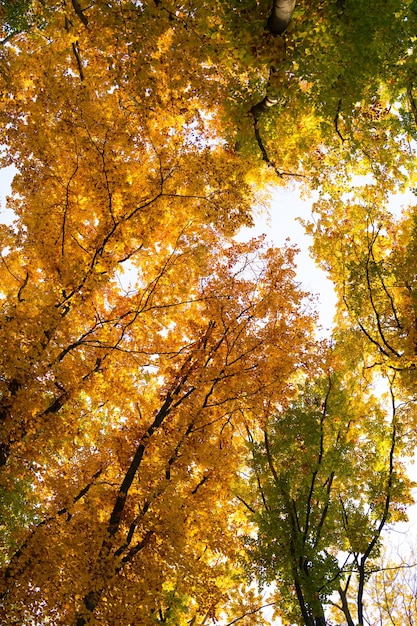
365, 332
309, 506
373, 304
385, 512
387, 293
345, 607
262, 148
258, 478
336, 121
177, 394
22, 286
67, 206
80, 12
252, 612
76, 53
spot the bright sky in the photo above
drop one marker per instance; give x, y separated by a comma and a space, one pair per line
280, 225
6, 176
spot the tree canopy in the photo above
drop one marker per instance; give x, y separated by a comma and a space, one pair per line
171, 426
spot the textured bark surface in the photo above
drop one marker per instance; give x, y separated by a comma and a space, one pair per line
280, 17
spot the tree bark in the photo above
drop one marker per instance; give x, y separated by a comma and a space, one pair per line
280, 17
263, 106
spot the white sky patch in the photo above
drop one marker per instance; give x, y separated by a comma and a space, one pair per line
6, 176
281, 226
127, 278
399, 202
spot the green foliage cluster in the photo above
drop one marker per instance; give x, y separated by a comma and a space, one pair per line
16, 15
327, 478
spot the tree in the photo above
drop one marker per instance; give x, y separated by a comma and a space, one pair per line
392, 593
139, 341
281, 15
369, 253
135, 468
330, 119
328, 479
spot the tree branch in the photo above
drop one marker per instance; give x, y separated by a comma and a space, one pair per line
336, 121
372, 301
12, 569
385, 513
412, 103
79, 12
262, 148
252, 612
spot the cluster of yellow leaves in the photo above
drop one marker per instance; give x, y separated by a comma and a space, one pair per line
124, 406
168, 381
137, 338
139, 342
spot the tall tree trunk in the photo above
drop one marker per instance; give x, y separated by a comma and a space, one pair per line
280, 17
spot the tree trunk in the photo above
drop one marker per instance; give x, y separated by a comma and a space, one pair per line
280, 17
263, 106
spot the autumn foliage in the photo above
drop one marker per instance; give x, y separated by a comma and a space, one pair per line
171, 427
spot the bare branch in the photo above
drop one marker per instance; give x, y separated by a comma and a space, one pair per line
252, 612
336, 121
80, 12
76, 53
265, 156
